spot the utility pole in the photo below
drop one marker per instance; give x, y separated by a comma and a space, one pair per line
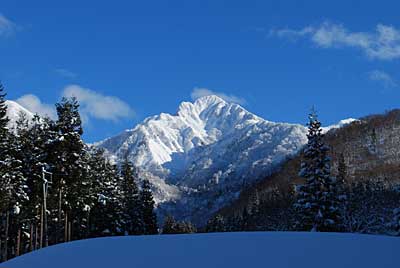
45, 191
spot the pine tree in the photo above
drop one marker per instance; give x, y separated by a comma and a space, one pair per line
148, 216
12, 182
216, 224
22, 153
317, 202
130, 198
3, 113
104, 205
342, 169
4, 146
341, 195
186, 227
110, 199
99, 181
67, 156
253, 211
395, 225
169, 226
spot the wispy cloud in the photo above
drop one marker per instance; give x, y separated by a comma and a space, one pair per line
7, 27
35, 105
66, 73
97, 105
202, 92
382, 77
382, 44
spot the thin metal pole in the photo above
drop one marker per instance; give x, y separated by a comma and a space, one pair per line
45, 190
41, 228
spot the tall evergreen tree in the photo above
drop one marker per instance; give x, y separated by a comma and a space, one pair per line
341, 195
3, 113
169, 226
33, 138
104, 207
12, 182
217, 224
132, 218
342, 169
148, 215
317, 203
109, 198
67, 165
4, 146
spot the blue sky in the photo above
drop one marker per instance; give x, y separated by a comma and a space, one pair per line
140, 58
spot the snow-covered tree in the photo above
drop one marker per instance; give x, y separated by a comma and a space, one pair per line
97, 198
3, 113
68, 167
148, 215
171, 226
317, 202
130, 199
217, 224
102, 203
12, 182
4, 147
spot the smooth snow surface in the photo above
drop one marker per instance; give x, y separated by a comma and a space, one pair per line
275, 250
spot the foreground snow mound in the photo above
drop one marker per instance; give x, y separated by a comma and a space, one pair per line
232, 250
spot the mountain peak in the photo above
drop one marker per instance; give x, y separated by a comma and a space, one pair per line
210, 99
205, 103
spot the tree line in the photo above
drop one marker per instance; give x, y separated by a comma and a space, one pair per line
54, 188
322, 203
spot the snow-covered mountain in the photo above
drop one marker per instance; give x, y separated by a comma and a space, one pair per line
14, 110
202, 157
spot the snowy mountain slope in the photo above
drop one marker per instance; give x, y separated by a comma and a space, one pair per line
200, 159
13, 111
278, 250
340, 124
202, 156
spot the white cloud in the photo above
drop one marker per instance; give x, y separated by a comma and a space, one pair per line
65, 73
33, 104
7, 27
290, 33
96, 105
382, 44
202, 92
382, 77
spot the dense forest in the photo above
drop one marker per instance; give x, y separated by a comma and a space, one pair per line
54, 188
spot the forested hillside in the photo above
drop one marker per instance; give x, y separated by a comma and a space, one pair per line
364, 154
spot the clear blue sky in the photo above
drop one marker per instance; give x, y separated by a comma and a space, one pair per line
280, 57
